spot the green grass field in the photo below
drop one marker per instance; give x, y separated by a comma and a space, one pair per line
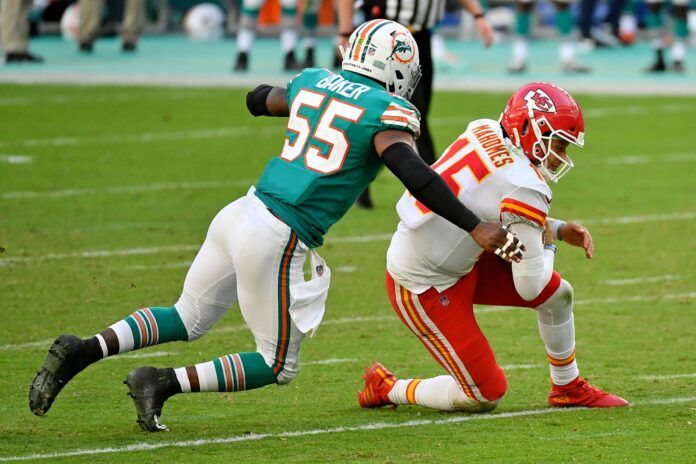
106, 193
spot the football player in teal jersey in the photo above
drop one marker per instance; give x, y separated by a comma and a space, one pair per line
341, 129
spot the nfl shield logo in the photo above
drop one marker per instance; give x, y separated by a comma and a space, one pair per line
444, 301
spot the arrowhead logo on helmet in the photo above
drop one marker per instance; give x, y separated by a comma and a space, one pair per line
540, 101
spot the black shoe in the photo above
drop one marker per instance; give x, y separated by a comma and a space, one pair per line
659, 64
678, 66
150, 388
309, 58
67, 357
242, 63
22, 57
517, 67
86, 47
365, 200
128, 47
290, 63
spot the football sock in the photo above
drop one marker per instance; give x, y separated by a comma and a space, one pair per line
678, 50
520, 50
653, 22
442, 393
522, 22
680, 27
288, 37
232, 372
564, 22
566, 51
557, 330
145, 327
247, 31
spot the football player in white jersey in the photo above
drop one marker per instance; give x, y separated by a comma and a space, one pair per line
436, 273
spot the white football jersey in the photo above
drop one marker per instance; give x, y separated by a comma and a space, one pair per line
494, 180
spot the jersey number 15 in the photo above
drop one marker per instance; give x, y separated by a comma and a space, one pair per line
324, 131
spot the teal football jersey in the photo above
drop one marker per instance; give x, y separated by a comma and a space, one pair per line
328, 157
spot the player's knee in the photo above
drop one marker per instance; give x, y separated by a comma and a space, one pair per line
287, 375
559, 307
196, 321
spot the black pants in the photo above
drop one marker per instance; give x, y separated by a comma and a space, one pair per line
423, 93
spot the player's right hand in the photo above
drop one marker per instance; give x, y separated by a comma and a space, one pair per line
498, 239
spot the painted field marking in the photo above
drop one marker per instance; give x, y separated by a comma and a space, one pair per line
346, 269
137, 355
161, 187
149, 267
513, 367
16, 159
145, 137
354, 239
672, 158
329, 361
118, 97
641, 280
668, 377
142, 446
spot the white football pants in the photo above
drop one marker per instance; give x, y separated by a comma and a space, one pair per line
251, 256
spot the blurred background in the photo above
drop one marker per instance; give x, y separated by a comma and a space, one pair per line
599, 46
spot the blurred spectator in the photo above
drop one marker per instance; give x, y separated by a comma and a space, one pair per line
654, 24
566, 48
247, 32
310, 20
605, 34
14, 29
90, 19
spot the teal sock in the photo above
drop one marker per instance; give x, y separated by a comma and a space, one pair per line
681, 29
564, 22
522, 22
145, 327
232, 372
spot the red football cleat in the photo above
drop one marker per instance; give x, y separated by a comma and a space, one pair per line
378, 383
580, 393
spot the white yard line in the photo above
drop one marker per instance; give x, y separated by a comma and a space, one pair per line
139, 355
637, 299
126, 189
684, 216
513, 367
640, 159
16, 159
355, 239
329, 361
455, 419
641, 280
147, 137
108, 98
668, 377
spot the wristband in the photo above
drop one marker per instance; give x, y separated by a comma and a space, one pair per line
479, 15
558, 231
551, 246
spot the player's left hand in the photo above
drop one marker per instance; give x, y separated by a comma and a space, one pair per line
577, 235
485, 31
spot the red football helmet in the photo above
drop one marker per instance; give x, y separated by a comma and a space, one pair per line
534, 115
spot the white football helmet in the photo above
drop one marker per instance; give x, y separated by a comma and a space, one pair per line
385, 51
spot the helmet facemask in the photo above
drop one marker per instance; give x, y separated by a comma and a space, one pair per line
401, 85
542, 149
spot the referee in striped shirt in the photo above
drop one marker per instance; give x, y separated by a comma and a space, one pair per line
420, 17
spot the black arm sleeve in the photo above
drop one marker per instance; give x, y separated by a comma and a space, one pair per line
427, 186
256, 100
